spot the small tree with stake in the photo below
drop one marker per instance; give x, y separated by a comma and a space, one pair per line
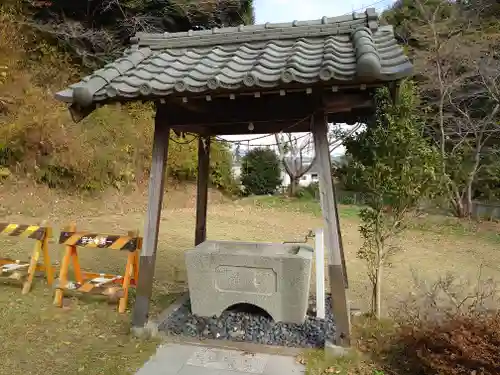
396, 168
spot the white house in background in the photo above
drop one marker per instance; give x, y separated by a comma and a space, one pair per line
310, 177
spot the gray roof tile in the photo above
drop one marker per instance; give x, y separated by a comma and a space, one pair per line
331, 50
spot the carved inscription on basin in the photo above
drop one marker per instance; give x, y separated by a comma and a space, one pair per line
253, 280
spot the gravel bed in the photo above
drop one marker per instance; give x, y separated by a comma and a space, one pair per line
247, 326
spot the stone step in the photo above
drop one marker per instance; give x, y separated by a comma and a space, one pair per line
180, 359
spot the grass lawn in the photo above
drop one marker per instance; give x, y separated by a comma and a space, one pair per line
90, 337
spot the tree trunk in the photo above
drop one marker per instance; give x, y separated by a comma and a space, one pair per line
458, 207
469, 199
376, 297
456, 199
472, 175
294, 186
378, 291
373, 305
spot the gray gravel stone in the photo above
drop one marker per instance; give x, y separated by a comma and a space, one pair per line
252, 327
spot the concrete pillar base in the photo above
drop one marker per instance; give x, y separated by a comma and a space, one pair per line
150, 330
335, 351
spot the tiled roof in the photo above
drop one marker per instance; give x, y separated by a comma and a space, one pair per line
337, 50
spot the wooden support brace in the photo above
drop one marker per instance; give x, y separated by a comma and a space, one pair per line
341, 243
336, 272
151, 228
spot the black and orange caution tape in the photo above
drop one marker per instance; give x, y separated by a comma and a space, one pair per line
101, 241
35, 232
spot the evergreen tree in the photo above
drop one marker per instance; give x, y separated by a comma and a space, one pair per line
260, 171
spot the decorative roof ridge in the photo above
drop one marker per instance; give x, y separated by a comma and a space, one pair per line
341, 25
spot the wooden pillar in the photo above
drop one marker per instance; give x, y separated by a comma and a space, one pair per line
336, 272
202, 190
147, 258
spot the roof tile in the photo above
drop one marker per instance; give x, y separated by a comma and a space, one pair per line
330, 50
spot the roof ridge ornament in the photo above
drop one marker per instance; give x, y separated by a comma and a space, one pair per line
83, 93
372, 19
367, 58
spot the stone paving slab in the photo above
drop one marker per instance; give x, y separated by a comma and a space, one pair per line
178, 359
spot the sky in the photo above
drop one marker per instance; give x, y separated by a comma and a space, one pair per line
303, 10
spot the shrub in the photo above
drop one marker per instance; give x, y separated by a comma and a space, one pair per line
260, 171
347, 198
310, 191
463, 345
451, 327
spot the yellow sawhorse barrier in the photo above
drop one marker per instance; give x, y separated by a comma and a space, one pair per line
98, 283
16, 269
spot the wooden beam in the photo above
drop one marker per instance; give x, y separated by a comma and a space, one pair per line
240, 110
266, 108
202, 189
341, 102
152, 225
293, 125
356, 115
290, 125
340, 308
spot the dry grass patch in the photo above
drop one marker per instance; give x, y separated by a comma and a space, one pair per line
88, 338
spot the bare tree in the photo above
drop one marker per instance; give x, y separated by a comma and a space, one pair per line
294, 150
475, 127
98, 31
461, 87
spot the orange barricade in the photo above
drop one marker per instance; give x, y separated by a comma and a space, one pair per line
112, 286
25, 271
